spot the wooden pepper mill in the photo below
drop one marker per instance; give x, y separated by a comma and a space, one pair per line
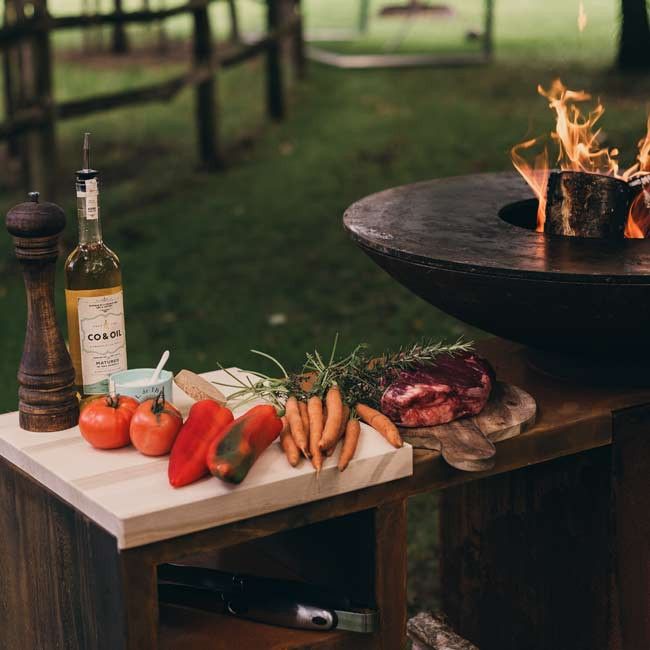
47, 398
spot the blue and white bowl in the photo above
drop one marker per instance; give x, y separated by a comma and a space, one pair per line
127, 383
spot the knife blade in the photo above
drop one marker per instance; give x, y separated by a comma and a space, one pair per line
251, 587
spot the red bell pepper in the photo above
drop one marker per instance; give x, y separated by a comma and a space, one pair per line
231, 456
206, 422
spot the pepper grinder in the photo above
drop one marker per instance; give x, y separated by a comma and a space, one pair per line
47, 398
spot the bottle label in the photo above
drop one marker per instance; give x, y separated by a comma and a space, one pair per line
102, 340
89, 191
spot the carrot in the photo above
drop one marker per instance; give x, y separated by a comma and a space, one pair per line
304, 416
344, 422
330, 451
315, 412
380, 422
295, 423
352, 432
332, 427
288, 444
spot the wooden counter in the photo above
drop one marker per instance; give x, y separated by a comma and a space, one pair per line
554, 539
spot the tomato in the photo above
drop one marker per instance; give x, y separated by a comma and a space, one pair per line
104, 422
154, 426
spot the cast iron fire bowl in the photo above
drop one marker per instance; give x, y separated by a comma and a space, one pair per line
468, 246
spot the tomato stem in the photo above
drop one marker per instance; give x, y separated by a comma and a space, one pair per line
158, 405
113, 400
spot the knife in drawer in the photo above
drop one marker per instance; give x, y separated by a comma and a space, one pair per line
274, 602
250, 587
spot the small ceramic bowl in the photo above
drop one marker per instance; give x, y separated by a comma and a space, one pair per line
135, 383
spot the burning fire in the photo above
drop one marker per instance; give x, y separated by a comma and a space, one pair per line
638, 220
578, 149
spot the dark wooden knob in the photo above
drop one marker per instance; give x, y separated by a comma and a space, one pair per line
47, 398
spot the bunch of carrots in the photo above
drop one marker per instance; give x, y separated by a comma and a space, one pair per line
314, 426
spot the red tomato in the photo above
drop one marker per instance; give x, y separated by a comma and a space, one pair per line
154, 426
105, 421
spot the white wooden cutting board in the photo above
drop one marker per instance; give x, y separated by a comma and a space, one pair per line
128, 494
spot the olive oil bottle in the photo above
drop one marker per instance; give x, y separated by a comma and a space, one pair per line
93, 293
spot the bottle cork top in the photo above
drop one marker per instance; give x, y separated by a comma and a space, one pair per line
87, 172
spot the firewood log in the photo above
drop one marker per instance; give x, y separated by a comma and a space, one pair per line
429, 632
579, 204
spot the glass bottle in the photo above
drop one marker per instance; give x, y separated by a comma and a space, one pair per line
93, 293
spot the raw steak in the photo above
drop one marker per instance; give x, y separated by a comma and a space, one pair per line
454, 387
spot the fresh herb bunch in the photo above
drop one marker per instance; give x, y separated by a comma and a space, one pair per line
360, 376
271, 389
363, 378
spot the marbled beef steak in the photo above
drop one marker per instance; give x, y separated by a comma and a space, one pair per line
455, 387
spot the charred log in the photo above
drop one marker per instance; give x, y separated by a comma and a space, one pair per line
586, 205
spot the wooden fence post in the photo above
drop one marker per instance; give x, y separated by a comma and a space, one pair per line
43, 151
206, 105
120, 43
11, 72
488, 36
274, 76
28, 83
298, 40
364, 16
163, 41
235, 34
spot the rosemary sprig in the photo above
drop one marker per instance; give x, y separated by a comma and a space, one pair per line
360, 377
364, 379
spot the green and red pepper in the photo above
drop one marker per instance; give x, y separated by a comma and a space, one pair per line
230, 456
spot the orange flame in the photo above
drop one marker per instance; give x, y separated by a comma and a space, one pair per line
642, 165
638, 220
536, 175
576, 135
577, 138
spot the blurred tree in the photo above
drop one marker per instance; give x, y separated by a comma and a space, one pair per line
634, 44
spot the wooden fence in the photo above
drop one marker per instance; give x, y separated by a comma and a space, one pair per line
32, 113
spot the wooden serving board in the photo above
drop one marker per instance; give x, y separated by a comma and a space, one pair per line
468, 443
129, 495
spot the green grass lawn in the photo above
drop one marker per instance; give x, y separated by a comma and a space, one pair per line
208, 259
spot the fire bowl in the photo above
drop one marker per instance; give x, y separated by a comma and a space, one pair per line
468, 246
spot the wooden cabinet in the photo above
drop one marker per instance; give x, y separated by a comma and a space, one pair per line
555, 539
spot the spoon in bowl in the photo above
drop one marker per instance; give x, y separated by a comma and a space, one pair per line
159, 367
